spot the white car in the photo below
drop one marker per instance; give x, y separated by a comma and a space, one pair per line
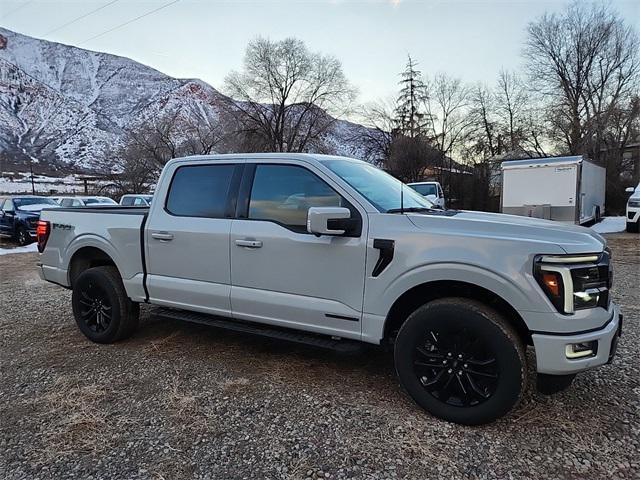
85, 201
430, 190
633, 209
136, 200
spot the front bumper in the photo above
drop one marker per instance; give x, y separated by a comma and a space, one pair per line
633, 214
551, 355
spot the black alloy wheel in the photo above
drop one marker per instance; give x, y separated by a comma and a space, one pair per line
456, 368
461, 361
102, 310
96, 311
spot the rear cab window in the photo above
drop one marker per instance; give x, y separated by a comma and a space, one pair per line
200, 190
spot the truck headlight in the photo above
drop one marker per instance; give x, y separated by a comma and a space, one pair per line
575, 282
634, 203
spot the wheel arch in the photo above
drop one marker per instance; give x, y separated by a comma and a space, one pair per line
87, 257
422, 293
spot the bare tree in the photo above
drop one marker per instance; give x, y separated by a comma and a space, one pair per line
449, 122
410, 156
287, 98
586, 62
512, 102
447, 115
377, 137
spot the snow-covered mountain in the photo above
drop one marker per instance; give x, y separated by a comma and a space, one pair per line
63, 107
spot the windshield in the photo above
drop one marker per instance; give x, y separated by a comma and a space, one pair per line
33, 203
425, 189
99, 200
380, 188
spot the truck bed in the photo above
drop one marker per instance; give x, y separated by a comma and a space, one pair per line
116, 230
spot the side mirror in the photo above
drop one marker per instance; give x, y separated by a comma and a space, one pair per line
328, 220
629, 189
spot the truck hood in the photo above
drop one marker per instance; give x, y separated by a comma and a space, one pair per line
572, 239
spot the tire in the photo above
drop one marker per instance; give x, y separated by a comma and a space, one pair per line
22, 236
598, 215
102, 310
455, 345
633, 227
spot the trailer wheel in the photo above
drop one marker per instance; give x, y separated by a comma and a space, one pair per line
102, 310
598, 215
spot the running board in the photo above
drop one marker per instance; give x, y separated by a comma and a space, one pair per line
288, 335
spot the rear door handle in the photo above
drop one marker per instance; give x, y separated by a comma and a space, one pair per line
162, 236
249, 243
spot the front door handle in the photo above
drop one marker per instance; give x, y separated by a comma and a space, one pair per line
162, 236
249, 243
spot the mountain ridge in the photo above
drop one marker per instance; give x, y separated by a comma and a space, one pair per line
63, 108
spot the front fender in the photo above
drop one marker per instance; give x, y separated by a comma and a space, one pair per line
514, 293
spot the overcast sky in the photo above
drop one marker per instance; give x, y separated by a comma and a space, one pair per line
470, 39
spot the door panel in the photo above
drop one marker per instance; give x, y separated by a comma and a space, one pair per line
282, 275
188, 263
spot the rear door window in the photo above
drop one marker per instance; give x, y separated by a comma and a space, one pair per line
200, 190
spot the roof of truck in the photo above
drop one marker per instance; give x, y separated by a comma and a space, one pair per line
540, 162
309, 157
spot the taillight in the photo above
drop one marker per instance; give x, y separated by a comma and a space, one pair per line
42, 232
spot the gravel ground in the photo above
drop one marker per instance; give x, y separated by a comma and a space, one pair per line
187, 401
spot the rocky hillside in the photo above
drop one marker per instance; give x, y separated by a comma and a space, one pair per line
63, 107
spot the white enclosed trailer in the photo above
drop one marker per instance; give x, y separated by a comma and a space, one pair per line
566, 189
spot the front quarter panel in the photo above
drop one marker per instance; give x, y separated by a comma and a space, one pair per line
444, 253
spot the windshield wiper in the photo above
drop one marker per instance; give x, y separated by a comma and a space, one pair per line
412, 209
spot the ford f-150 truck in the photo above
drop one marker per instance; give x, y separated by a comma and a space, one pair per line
331, 251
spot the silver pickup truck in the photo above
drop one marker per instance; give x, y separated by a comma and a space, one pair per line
331, 251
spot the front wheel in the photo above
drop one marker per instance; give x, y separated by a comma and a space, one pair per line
461, 361
102, 310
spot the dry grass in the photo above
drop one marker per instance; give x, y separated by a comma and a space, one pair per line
75, 417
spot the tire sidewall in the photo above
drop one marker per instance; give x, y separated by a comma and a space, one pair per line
509, 356
100, 278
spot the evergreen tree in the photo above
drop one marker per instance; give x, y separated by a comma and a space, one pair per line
410, 119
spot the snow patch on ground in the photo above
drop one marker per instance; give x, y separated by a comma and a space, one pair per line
6, 249
610, 225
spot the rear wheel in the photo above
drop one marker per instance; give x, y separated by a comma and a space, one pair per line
101, 308
633, 227
22, 236
461, 361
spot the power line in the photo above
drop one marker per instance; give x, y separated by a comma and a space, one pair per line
80, 18
24, 4
128, 22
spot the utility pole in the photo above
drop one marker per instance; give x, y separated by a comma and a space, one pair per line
33, 187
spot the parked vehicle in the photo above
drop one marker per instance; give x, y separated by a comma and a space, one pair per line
633, 209
327, 251
431, 190
136, 200
19, 216
85, 201
565, 189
